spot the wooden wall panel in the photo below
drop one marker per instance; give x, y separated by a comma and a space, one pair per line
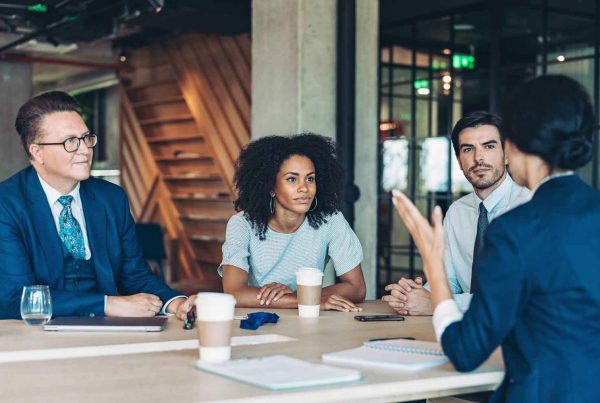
185, 116
214, 75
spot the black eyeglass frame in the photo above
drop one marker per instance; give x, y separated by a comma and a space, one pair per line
64, 143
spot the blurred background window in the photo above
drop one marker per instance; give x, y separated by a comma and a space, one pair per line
441, 60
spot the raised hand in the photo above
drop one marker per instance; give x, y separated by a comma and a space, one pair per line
428, 238
430, 243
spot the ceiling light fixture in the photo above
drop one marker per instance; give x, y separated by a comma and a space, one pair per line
157, 5
387, 126
560, 58
464, 27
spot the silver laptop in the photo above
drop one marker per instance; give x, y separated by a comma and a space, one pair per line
106, 324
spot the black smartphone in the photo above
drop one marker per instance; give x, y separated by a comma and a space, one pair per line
378, 318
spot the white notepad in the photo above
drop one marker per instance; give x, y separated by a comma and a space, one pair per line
395, 354
280, 372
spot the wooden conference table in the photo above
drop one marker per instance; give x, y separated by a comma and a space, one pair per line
171, 376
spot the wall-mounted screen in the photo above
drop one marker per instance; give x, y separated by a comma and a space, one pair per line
395, 164
434, 167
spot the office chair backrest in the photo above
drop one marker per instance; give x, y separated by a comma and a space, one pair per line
150, 237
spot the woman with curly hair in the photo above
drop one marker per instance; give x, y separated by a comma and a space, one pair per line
289, 196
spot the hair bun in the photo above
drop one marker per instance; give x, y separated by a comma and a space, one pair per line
573, 153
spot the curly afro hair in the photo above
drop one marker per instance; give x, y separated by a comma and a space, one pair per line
256, 173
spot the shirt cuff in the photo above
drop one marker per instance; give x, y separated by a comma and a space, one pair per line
163, 311
446, 313
105, 303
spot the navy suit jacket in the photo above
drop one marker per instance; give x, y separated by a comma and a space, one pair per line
539, 282
31, 250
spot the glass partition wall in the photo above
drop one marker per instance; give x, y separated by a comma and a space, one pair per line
434, 69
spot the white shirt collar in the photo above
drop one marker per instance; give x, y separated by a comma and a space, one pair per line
497, 195
550, 177
52, 194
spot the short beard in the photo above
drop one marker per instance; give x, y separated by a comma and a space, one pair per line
491, 182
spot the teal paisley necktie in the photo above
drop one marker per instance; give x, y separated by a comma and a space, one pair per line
69, 229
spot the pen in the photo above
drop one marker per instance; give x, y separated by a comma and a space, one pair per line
190, 318
392, 338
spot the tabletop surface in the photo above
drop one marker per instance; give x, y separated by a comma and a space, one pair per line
171, 376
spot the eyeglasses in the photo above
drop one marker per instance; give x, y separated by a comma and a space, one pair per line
72, 143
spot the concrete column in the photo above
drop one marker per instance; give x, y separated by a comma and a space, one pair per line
294, 70
293, 67
366, 136
15, 81
111, 127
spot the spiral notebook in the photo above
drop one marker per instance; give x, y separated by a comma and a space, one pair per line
394, 354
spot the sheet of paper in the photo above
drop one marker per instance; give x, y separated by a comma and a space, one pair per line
259, 339
266, 372
132, 348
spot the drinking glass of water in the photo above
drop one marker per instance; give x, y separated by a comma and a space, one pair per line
36, 304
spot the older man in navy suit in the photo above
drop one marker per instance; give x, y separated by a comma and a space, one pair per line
74, 233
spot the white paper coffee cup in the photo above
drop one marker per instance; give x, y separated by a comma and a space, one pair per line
214, 319
308, 284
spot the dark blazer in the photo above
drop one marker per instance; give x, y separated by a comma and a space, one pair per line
31, 250
539, 282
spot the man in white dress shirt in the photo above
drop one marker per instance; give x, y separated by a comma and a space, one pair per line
478, 145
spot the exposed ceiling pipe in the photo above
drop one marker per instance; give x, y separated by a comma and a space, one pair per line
11, 57
28, 37
53, 26
13, 5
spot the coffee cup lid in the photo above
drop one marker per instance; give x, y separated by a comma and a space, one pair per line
309, 271
216, 297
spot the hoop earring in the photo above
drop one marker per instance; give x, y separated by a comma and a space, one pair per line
272, 205
316, 202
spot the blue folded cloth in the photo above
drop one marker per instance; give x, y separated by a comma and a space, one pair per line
257, 319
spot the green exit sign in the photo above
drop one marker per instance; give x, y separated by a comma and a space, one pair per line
421, 84
38, 8
466, 62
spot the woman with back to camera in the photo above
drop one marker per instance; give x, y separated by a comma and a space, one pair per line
289, 196
539, 275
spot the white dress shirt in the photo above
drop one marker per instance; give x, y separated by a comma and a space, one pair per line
448, 312
460, 226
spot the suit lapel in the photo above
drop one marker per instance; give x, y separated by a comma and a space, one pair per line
45, 229
95, 221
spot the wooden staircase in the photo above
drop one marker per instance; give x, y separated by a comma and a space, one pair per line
185, 115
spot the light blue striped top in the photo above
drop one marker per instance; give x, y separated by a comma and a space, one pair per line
277, 258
